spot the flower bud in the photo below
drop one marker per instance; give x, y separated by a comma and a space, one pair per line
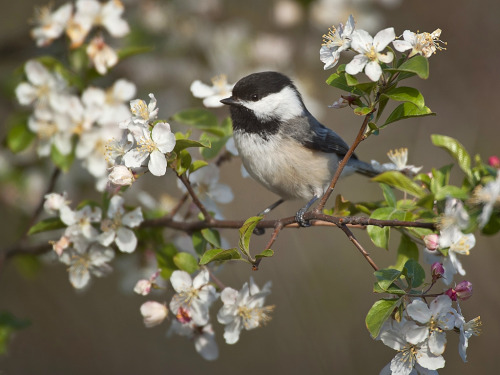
437, 271
431, 241
494, 161
143, 287
153, 313
464, 290
121, 176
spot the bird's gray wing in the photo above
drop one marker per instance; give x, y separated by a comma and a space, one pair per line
316, 136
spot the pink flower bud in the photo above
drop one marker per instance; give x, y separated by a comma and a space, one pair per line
494, 161
464, 290
431, 241
437, 271
153, 313
452, 294
143, 287
121, 176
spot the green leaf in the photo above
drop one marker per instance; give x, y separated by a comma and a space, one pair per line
417, 65
392, 289
265, 254
130, 51
400, 181
407, 250
199, 242
385, 277
379, 313
183, 162
246, 232
197, 164
389, 195
63, 162
186, 262
456, 150
414, 271
451, 191
378, 235
363, 111
381, 106
165, 259
406, 94
8, 325
197, 117
339, 81
407, 110
182, 144
217, 143
19, 136
213, 255
212, 236
46, 225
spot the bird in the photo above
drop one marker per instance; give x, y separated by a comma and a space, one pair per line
282, 145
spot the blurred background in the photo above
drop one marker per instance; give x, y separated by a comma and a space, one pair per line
321, 285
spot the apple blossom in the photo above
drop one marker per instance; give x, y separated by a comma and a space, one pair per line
212, 95
154, 313
50, 25
337, 40
424, 44
101, 55
203, 337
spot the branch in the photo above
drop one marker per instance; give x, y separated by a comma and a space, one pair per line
196, 201
360, 137
356, 243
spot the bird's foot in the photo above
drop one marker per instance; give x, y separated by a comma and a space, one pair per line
259, 231
299, 217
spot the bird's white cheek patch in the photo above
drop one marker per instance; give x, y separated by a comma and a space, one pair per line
283, 105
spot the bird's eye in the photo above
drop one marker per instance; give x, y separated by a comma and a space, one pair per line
254, 97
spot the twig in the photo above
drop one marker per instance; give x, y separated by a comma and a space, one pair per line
178, 206
277, 229
196, 201
342, 164
356, 243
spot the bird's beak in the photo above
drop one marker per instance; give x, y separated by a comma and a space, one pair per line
229, 101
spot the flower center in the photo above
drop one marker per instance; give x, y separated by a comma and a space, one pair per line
372, 54
220, 84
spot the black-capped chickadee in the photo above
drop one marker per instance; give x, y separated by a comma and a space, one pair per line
281, 144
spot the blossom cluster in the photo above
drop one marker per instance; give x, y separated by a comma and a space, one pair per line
191, 304
85, 245
420, 336
371, 49
77, 22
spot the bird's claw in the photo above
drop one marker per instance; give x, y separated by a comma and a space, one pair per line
299, 217
259, 231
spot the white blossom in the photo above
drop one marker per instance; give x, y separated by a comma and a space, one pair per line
154, 313
212, 95
424, 44
101, 55
153, 144
243, 310
54, 202
337, 40
50, 25
395, 335
84, 259
467, 330
80, 222
370, 55
121, 176
116, 227
489, 196
203, 337
193, 295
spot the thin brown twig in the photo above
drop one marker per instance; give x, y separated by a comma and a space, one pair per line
343, 163
277, 229
178, 206
356, 243
194, 197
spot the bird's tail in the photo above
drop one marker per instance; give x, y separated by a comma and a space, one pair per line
364, 169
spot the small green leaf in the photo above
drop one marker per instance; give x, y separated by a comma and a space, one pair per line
385, 277
63, 162
199, 242
217, 143
456, 150
8, 325
197, 117
246, 232
417, 65
400, 181
407, 110
165, 259
451, 191
186, 262
406, 94
414, 271
197, 164
212, 236
339, 81
183, 162
265, 254
46, 225
379, 313
213, 255
126, 52
407, 250
392, 289
363, 111
378, 235
182, 144
19, 136
389, 195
